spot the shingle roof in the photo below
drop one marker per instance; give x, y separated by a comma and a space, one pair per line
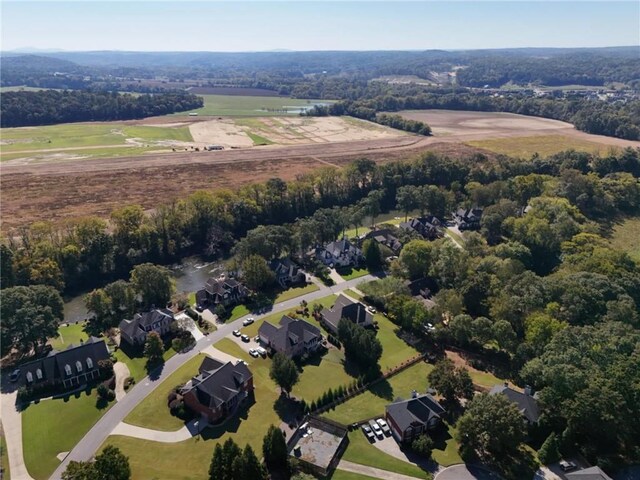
290, 332
385, 237
144, 319
339, 246
52, 366
425, 226
216, 382
527, 404
284, 266
418, 410
591, 473
346, 308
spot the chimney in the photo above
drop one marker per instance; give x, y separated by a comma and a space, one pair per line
506, 384
414, 394
528, 390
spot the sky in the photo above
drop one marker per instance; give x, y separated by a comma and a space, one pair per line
316, 25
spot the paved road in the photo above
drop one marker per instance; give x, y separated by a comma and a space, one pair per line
91, 442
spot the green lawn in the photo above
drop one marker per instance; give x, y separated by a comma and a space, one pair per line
373, 401
455, 236
72, 334
349, 273
86, 135
137, 363
53, 426
250, 106
342, 475
362, 452
190, 459
394, 217
153, 412
394, 349
4, 458
626, 237
238, 311
294, 292
353, 294
544, 145
449, 454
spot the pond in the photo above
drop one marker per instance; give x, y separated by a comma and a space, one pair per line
190, 275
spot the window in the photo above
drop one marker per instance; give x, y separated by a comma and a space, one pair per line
29, 377
89, 363
39, 374
67, 369
78, 366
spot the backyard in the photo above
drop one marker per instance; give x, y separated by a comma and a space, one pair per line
72, 334
625, 237
50, 427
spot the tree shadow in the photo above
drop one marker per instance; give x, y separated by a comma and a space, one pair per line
288, 409
440, 436
521, 465
231, 424
154, 370
382, 389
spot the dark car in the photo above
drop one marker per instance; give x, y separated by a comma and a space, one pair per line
368, 432
15, 375
245, 338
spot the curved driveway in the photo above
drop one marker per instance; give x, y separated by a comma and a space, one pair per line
91, 442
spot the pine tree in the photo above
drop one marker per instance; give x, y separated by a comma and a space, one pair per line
550, 450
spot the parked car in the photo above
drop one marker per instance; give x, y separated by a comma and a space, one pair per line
13, 376
368, 433
567, 466
376, 429
248, 321
254, 353
245, 338
236, 333
383, 425
262, 352
372, 310
256, 339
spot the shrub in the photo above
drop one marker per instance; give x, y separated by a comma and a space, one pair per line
423, 446
105, 393
105, 367
550, 450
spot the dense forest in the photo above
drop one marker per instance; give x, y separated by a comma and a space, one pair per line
276, 70
540, 295
47, 107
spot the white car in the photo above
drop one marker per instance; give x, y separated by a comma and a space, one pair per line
376, 428
384, 426
236, 333
254, 353
261, 351
248, 321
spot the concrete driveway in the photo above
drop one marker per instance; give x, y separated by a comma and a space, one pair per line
12, 426
466, 472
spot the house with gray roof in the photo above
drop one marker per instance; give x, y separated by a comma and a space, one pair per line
287, 273
341, 253
591, 473
135, 331
218, 389
345, 308
386, 238
467, 218
428, 227
293, 337
526, 402
221, 291
75, 366
411, 418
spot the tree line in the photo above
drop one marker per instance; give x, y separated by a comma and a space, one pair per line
49, 107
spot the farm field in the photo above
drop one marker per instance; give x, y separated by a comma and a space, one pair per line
544, 145
39, 187
251, 105
625, 237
